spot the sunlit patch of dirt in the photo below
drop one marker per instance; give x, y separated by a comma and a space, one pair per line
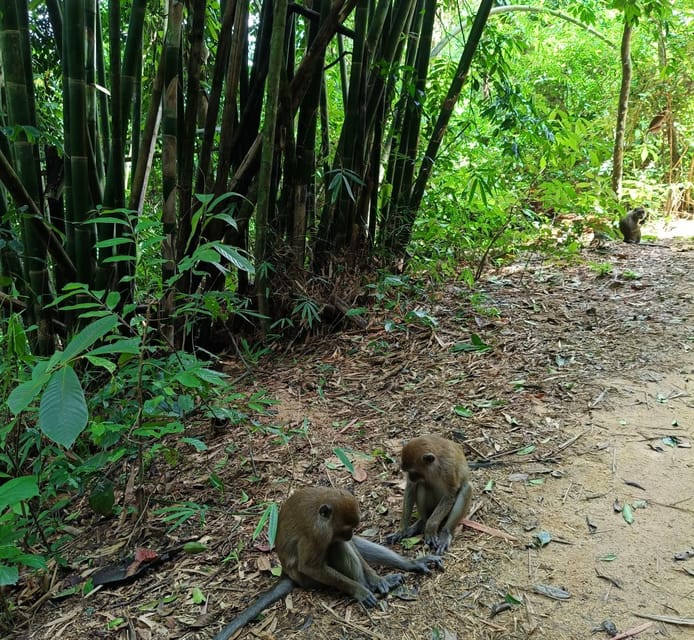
584, 401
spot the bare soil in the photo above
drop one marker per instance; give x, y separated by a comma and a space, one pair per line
583, 405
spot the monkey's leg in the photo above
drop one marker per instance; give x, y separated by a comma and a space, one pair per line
344, 569
378, 554
457, 513
281, 589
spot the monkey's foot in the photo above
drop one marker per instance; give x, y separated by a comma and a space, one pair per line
423, 564
388, 583
394, 538
367, 600
439, 543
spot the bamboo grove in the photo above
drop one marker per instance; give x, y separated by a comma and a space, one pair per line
259, 176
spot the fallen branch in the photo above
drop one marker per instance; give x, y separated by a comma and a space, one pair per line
483, 528
353, 625
684, 622
630, 633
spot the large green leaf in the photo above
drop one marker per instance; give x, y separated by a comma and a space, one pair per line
18, 489
88, 336
63, 411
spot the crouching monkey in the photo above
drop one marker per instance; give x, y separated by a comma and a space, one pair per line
317, 547
438, 482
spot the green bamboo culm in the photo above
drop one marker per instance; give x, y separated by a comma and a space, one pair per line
81, 235
15, 52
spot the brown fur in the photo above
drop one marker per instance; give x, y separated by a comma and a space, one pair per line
630, 224
317, 547
438, 482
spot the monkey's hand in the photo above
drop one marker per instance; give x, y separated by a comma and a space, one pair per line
385, 584
439, 543
424, 564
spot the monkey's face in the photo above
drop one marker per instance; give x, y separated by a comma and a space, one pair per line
345, 518
414, 476
639, 214
344, 533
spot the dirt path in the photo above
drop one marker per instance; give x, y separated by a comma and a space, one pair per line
614, 570
590, 367
590, 370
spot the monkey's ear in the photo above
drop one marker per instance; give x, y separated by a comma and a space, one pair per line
325, 511
428, 458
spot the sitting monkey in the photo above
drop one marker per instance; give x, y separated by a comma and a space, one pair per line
316, 546
438, 482
630, 224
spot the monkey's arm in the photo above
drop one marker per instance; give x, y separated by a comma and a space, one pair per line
378, 554
407, 507
281, 589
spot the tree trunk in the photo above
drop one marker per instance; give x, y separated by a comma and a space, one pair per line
265, 202
622, 108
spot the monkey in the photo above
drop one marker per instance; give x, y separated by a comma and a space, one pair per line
438, 482
630, 224
317, 547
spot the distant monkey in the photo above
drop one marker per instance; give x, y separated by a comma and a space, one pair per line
438, 482
630, 224
316, 546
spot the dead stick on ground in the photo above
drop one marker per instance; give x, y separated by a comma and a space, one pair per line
354, 625
598, 400
483, 528
630, 633
568, 443
684, 622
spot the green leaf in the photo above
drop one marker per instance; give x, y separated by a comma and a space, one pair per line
101, 362
234, 256
272, 524
627, 514
608, 557
188, 379
198, 596
344, 459
23, 395
476, 344
88, 336
194, 547
462, 411
198, 444
18, 489
269, 515
125, 345
526, 450
63, 411
8, 575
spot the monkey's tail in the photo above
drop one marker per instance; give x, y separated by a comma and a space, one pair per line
280, 590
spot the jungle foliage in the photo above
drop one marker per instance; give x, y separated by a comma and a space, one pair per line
173, 180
